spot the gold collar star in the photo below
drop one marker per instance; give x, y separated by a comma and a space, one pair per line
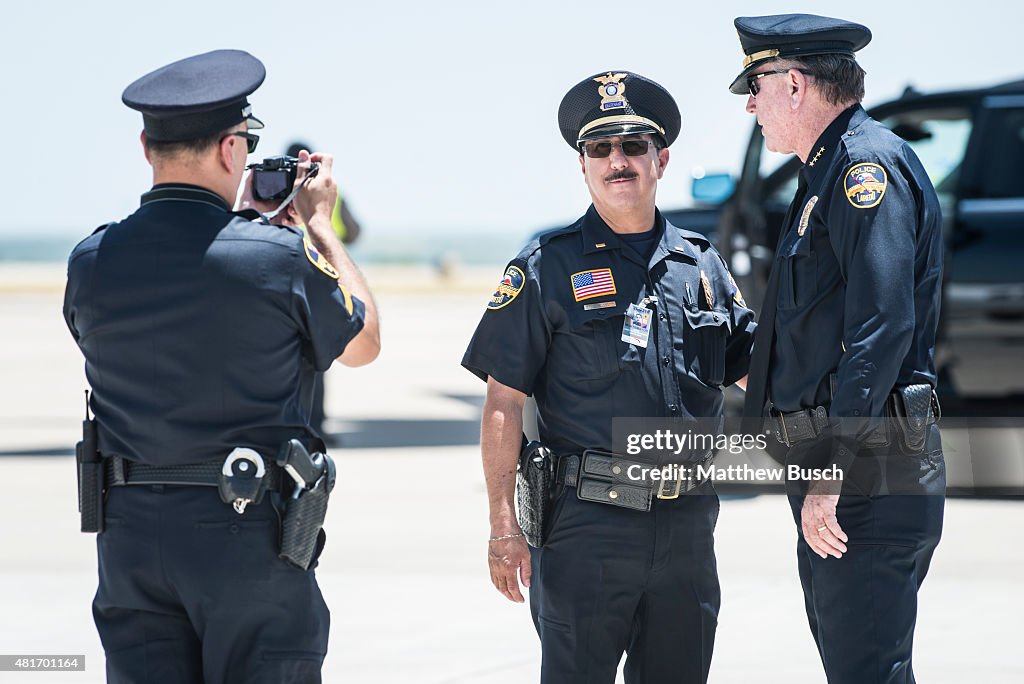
821, 150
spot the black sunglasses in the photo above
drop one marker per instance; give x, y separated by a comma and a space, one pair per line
251, 139
754, 81
630, 148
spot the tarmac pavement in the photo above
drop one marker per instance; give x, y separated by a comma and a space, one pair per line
404, 570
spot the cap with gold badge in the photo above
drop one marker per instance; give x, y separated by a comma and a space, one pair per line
197, 96
782, 36
615, 103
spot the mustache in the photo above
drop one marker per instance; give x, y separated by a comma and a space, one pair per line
624, 174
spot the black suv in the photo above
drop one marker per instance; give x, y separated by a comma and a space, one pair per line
972, 144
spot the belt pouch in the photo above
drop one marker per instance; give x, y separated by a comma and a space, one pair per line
912, 408
90, 479
599, 482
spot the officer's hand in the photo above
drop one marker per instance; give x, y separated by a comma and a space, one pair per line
317, 197
819, 511
509, 559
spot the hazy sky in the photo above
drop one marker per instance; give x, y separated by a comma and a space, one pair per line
442, 115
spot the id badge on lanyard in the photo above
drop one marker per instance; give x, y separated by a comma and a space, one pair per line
636, 326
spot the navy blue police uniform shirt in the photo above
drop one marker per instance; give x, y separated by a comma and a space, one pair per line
554, 330
202, 330
860, 274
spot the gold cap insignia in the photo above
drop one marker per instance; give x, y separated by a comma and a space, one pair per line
612, 91
758, 56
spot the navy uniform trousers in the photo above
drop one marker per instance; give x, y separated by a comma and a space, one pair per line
190, 591
611, 580
862, 608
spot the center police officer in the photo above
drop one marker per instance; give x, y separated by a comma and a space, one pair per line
847, 341
611, 578
201, 332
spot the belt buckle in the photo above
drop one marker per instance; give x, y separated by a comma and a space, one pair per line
675, 494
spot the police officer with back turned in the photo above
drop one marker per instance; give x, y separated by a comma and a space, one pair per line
843, 365
621, 314
202, 331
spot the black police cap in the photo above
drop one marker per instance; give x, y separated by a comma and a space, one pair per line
617, 103
197, 96
782, 36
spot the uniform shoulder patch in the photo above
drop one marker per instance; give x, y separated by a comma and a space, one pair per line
737, 296
509, 288
865, 185
318, 259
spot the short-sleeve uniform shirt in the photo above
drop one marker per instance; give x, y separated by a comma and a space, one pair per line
201, 329
554, 329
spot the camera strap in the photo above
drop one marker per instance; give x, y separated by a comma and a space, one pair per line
314, 168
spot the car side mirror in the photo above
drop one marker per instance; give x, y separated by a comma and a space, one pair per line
713, 188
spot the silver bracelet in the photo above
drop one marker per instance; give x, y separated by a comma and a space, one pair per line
505, 536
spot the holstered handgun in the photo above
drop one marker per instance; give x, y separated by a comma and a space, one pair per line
90, 475
306, 509
534, 485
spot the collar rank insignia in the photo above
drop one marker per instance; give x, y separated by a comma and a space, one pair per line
508, 289
865, 185
805, 217
612, 91
708, 294
597, 282
318, 259
821, 151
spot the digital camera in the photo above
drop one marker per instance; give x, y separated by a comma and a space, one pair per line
274, 177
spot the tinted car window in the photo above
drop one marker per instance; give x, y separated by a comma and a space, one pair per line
1002, 147
938, 137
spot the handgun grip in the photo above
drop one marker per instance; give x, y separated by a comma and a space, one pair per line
297, 461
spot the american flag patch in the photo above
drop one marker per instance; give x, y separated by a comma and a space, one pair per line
593, 283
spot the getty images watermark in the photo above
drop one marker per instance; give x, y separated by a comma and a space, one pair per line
682, 449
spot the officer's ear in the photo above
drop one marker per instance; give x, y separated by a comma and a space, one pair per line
145, 147
583, 163
662, 161
226, 152
798, 83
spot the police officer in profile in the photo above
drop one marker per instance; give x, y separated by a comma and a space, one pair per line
202, 331
627, 565
843, 362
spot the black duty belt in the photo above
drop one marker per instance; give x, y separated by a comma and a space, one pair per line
608, 478
120, 472
908, 411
